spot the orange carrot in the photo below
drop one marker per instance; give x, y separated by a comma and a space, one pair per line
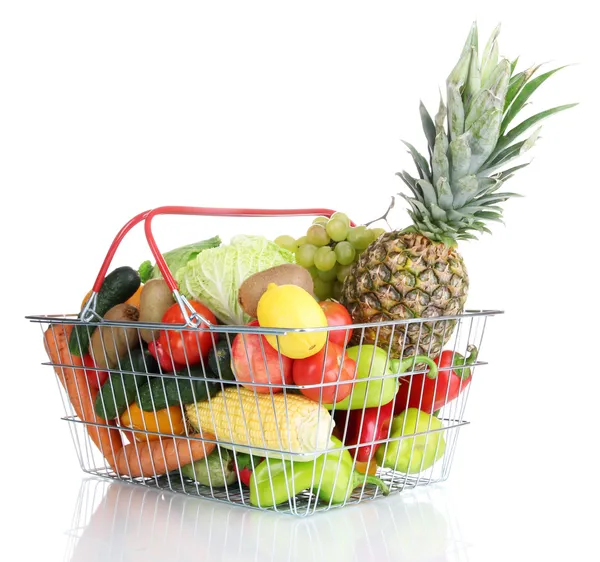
135, 459
80, 393
155, 458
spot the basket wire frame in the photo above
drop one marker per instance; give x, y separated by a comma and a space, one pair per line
467, 331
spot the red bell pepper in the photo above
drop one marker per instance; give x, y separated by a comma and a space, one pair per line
95, 378
431, 394
364, 427
243, 467
162, 356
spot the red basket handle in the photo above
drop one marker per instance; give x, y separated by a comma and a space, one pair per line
192, 318
113, 249
106, 264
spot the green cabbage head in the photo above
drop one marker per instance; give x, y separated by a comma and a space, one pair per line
214, 276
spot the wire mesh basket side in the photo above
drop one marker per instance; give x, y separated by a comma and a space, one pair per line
175, 412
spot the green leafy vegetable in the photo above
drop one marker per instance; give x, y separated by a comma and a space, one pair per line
214, 276
177, 258
145, 270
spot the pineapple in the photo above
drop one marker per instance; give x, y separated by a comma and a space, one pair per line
417, 272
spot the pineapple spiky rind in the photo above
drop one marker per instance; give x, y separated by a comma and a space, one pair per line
403, 277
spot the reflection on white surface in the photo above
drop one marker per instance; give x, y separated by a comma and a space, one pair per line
119, 521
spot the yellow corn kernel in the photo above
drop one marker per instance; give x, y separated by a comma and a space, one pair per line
282, 423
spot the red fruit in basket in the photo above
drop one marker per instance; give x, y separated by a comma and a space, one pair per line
337, 315
329, 365
163, 358
364, 427
253, 360
429, 395
95, 378
244, 467
187, 346
244, 476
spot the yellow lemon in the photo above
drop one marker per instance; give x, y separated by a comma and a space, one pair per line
291, 306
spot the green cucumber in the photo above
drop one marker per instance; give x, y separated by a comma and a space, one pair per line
120, 389
219, 361
163, 392
118, 286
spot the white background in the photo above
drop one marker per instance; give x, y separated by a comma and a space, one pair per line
110, 108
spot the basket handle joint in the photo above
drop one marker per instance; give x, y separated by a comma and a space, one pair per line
193, 319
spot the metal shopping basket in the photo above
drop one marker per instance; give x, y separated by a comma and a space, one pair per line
206, 430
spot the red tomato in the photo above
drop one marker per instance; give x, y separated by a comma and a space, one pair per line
255, 361
337, 315
187, 346
163, 358
244, 467
321, 368
95, 378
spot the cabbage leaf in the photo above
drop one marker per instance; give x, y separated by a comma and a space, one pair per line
214, 276
177, 258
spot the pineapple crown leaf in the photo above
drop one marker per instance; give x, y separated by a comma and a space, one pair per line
428, 126
505, 174
525, 125
420, 161
513, 65
470, 142
522, 92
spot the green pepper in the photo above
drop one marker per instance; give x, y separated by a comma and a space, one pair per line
340, 478
411, 455
331, 476
274, 481
373, 362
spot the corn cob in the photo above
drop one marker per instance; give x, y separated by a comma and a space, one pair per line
287, 426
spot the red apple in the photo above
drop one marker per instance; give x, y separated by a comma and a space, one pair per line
253, 360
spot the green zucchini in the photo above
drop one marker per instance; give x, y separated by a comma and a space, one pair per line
163, 392
118, 286
219, 361
120, 389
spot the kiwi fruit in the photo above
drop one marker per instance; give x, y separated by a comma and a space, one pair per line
155, 299
286, 274
109, 343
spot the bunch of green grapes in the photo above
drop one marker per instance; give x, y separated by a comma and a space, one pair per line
328, 250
